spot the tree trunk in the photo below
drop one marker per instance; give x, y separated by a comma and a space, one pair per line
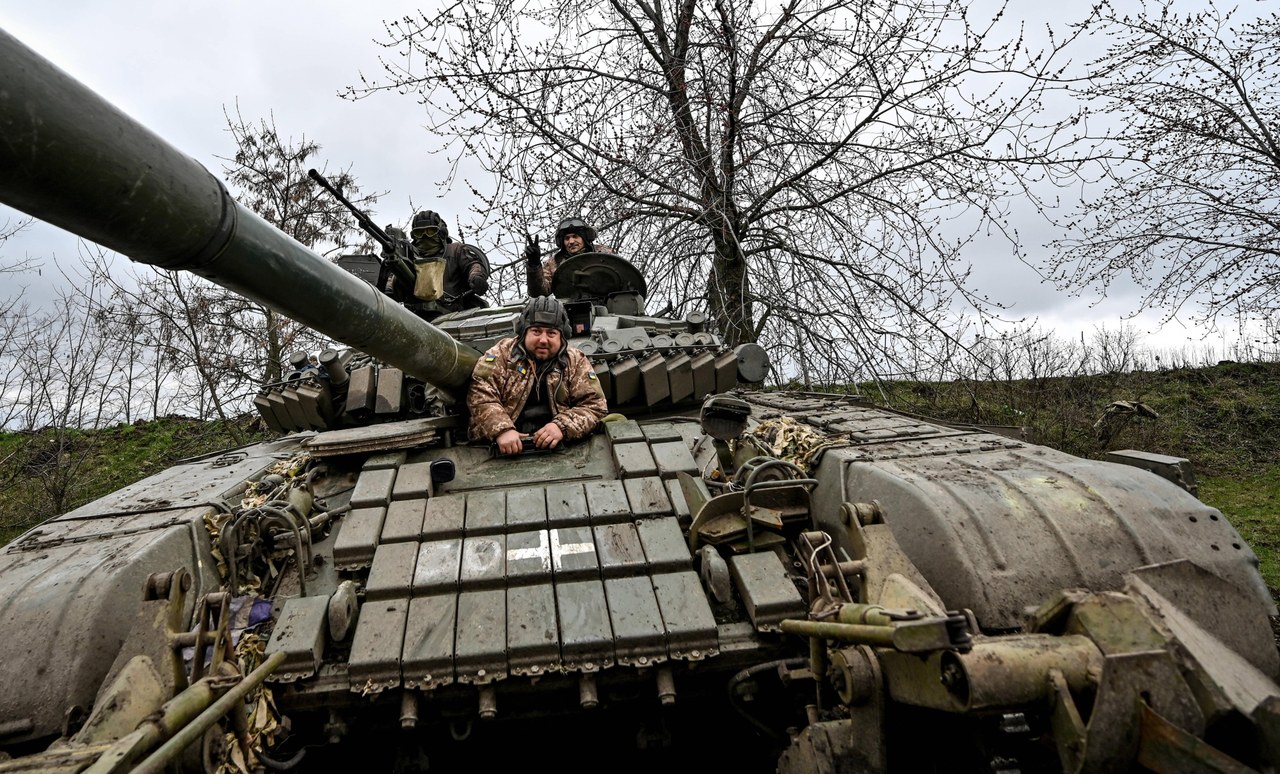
729, 292
272, 371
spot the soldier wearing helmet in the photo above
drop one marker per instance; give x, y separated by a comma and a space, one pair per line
453, 274
534, 386
573, 236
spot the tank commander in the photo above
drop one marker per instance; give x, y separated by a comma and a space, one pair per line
573, 236
454, 274
533, 387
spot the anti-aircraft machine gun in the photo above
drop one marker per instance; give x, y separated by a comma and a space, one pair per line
764, 580
397, 258
401, 272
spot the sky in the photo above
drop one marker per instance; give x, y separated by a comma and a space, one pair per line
176, 66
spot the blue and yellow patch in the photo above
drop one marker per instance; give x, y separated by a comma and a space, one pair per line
522, 369
485, 368
591, 374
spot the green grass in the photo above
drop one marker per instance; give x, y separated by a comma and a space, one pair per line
1251, 502
45, 473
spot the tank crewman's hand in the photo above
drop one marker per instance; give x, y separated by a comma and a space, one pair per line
509, 441
532, 253
479, 285
548, 436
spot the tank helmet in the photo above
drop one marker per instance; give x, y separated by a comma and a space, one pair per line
575, 226
426, 220
544, 312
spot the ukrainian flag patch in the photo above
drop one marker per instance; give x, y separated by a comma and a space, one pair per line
591, 374
490, 358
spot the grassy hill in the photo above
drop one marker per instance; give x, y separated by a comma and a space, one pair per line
1225, 419
49, 472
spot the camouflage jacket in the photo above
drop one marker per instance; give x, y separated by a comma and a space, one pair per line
501, 383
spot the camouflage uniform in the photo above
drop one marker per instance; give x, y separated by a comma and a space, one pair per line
504, 376
539, 282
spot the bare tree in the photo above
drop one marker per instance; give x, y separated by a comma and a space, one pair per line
68, 371
14, 327
143, 371
15, 315
8, 264
789, 168
200, 363
1187, 110
1117, 350
269, 173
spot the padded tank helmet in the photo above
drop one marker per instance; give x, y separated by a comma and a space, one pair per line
546, 312
576, 226
425, 220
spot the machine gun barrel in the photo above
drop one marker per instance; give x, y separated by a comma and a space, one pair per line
365, 222
74, 160
393, 262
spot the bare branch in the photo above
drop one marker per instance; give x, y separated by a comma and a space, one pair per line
788, 169
1189, 168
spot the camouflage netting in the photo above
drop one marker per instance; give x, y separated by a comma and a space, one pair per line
265, 726
792, 441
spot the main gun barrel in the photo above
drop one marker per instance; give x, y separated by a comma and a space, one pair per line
72, 159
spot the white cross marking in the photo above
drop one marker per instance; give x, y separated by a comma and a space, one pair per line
549, 554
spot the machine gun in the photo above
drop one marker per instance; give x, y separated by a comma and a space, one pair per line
396, 253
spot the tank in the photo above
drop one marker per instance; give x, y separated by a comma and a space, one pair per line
723, 575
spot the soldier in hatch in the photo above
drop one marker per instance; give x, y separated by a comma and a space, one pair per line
534, 385
573, 237
455, 274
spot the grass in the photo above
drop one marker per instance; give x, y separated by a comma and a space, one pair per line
1251, 502
45, 473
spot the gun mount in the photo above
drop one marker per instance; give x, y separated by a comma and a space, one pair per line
765, 580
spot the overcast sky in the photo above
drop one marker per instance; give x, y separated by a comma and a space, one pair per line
175, 66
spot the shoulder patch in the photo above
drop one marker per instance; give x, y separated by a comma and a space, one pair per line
591, 375
490, 358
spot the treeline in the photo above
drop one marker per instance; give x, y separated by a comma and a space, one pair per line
140, 344
1029, 352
